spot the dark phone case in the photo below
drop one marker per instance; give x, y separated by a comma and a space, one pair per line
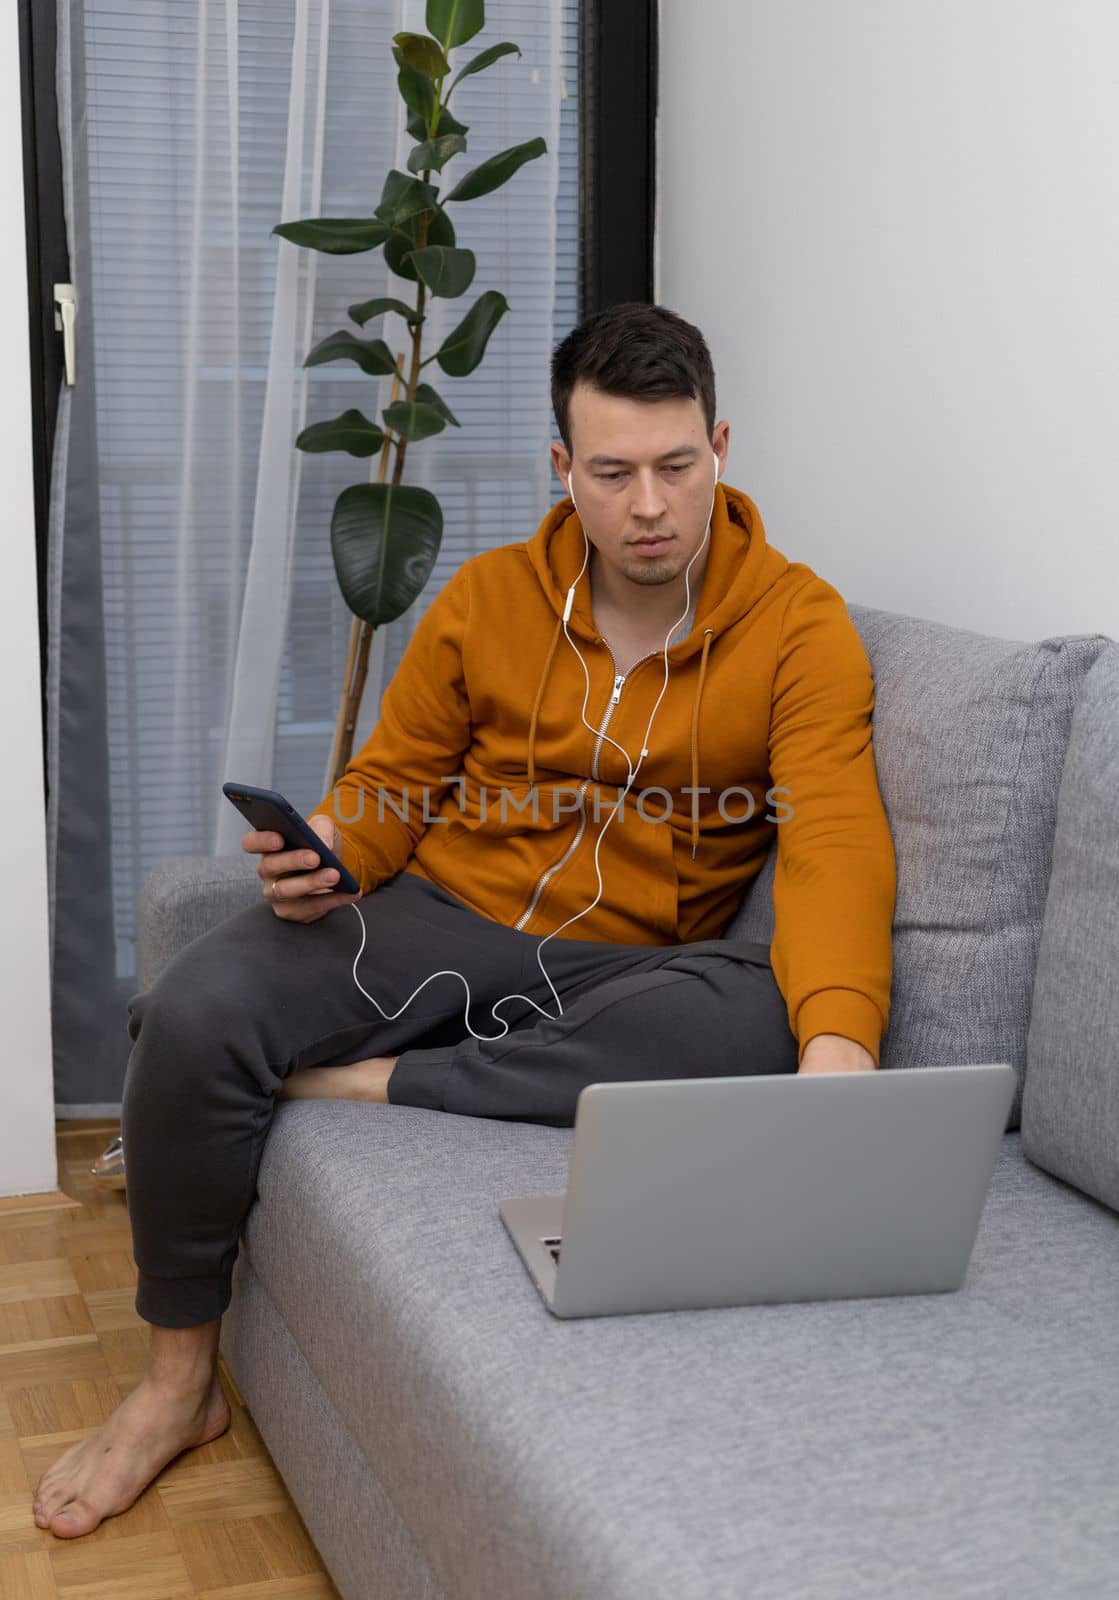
268, 811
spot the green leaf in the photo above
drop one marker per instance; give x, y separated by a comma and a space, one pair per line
416, 88
446, 272
338, 236
404, 197
366, 310
422, 54
428, 396
417, 126
351, 432
384, 539
413, 420
399, 246
482, 61
462, 350
453, 22
496, 171
372, 355
433, 154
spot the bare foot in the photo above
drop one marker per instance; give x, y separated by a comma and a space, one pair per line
357, 1080
103, 1475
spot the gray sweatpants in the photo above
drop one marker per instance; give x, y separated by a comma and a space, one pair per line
257, 997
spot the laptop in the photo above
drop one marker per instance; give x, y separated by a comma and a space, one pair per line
685, 1193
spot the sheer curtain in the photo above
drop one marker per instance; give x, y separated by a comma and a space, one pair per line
197, 631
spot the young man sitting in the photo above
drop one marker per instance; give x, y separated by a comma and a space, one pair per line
593, 733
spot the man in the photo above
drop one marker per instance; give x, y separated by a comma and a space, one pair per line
534, 772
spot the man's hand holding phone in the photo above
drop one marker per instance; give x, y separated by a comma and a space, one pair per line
298, 889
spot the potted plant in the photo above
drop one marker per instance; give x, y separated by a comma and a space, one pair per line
385, 535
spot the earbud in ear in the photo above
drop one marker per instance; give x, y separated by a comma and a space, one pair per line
715, 459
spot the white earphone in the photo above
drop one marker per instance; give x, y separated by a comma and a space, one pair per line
566, 614
632, 770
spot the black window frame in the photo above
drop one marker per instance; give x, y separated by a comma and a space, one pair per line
48, 263
617, 156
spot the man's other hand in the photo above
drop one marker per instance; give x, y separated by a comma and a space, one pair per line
292, 886
834, 1052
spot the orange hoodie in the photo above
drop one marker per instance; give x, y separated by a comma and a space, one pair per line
481, 776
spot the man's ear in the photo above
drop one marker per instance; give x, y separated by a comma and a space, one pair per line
561, 461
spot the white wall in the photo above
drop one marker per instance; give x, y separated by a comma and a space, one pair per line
27, 1158
898, 227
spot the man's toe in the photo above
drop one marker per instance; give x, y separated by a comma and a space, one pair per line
76, 1517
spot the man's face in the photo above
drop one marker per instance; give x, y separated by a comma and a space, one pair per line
641, 469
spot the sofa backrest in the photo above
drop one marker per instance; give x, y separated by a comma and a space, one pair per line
970, 735
1070, 1106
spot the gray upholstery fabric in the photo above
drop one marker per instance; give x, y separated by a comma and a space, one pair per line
445, 1436
969, 738
1070, 1108
369, 1552
958, 1445
183, 898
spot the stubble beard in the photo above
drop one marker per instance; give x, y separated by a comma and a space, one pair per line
660, 569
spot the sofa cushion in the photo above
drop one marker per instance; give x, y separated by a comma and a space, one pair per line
962, 1444
970, 735
1070, 1107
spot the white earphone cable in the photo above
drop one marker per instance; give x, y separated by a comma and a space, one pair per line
632, 770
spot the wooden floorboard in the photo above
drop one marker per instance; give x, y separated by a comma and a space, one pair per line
218, 1522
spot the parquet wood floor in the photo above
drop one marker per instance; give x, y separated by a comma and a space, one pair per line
218, 1522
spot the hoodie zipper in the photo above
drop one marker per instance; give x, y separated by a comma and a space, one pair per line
542, 881
619, 680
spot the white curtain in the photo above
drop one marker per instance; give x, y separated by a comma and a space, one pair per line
192, 576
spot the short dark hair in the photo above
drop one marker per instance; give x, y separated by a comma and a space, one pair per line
634, 349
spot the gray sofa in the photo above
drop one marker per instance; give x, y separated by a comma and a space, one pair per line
444, 1435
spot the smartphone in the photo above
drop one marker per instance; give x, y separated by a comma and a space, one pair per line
269, 812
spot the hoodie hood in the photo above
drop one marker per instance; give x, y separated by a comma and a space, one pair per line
740, 568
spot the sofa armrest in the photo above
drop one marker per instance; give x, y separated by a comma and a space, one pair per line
185, 897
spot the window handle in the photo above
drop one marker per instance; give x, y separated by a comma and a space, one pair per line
65, 318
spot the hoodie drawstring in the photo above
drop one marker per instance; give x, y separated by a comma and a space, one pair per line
536, 705
708, 635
